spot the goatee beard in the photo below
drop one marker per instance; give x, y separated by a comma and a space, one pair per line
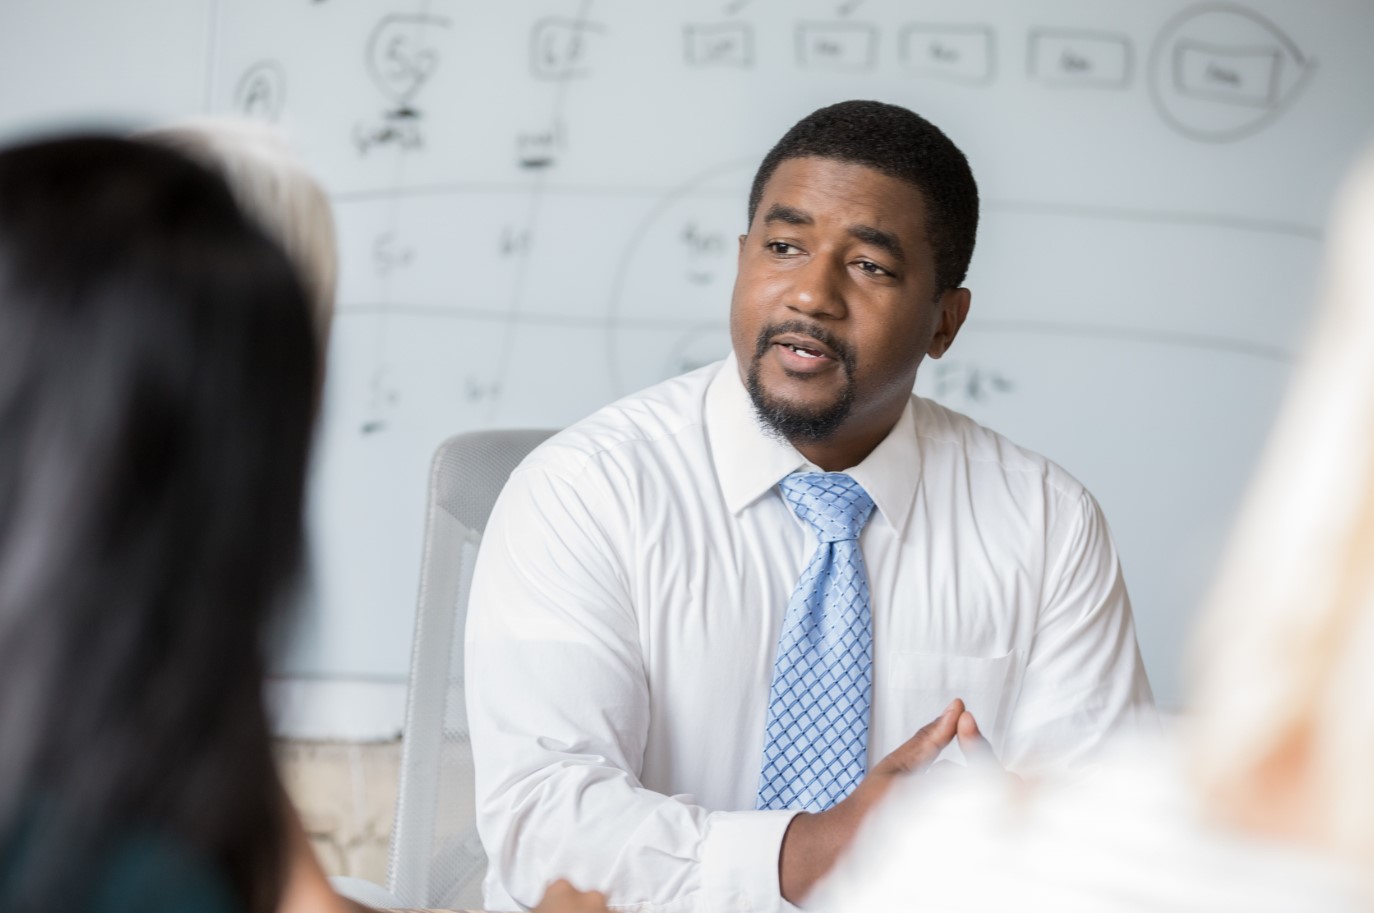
788, 421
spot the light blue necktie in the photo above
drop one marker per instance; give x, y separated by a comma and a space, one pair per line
815, 743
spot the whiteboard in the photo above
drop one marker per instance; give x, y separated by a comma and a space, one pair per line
538, 204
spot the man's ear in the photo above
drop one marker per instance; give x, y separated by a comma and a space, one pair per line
740, 255
954, 305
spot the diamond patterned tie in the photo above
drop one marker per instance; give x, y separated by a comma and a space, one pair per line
815, 747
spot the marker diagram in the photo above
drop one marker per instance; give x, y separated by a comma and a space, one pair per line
725, 44
261, 92
659, 328
845, 46
962, 54
1219, 73
539, 209
1079, 60
401, 58
968, 381
539, 148
561, 48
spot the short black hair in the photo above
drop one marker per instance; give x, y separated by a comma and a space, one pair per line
900, 144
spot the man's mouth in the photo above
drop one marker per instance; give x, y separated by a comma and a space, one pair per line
804, 346
802, 351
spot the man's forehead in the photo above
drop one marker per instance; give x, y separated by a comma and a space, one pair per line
816, 188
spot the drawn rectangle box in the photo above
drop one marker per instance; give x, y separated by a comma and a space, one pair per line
1246, 76
1077, 59
558, 47
960, 53
724, 44
850, 46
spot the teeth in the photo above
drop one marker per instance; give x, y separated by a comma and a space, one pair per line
805, 353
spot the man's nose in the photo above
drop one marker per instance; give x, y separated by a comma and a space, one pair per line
818, 289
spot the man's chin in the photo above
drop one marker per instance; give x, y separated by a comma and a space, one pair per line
811, 408
799, 420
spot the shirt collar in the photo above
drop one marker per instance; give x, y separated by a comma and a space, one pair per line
749, 462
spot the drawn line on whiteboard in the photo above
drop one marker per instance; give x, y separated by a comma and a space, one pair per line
494, 187
1074, 210
536, 191
212, 55
637, 235
526, 318
384, 396
1126, 214
1139, 334
1202, 341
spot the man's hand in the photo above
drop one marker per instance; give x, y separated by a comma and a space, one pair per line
562, 897
815, 840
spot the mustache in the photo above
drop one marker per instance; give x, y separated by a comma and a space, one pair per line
817, 332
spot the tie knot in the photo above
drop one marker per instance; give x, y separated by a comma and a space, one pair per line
833, 503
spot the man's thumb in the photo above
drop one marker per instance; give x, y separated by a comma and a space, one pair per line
920, 751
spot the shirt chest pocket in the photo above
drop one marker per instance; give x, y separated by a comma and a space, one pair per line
911, 689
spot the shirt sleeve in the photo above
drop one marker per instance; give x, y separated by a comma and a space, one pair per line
558, 707
1084, 681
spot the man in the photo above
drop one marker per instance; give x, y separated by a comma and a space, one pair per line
707, 621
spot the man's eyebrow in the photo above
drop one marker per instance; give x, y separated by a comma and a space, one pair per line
879, 238
780, 212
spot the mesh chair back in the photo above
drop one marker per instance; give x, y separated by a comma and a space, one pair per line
436, 857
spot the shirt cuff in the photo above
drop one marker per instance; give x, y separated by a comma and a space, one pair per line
739, 861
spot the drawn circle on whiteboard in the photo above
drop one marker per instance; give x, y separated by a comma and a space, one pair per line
261, 92
1220, 72
669, 307
402, 56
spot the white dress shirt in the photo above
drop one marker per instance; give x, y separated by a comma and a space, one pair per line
625, 613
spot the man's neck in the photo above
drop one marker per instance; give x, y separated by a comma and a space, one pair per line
846, 448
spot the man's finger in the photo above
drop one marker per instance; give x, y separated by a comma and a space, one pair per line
977, 752
919, 751
968, 729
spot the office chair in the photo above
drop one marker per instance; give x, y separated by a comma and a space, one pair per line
436, 858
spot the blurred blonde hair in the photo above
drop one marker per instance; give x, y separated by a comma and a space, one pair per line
1283, 661
273, 188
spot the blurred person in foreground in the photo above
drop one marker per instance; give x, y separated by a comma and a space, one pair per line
286, 202
157, 390
1264, 801
159, 372
274, 189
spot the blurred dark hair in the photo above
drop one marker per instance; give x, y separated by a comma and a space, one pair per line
900, 144
157, 371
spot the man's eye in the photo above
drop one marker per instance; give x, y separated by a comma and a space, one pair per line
872, 268
782, 248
